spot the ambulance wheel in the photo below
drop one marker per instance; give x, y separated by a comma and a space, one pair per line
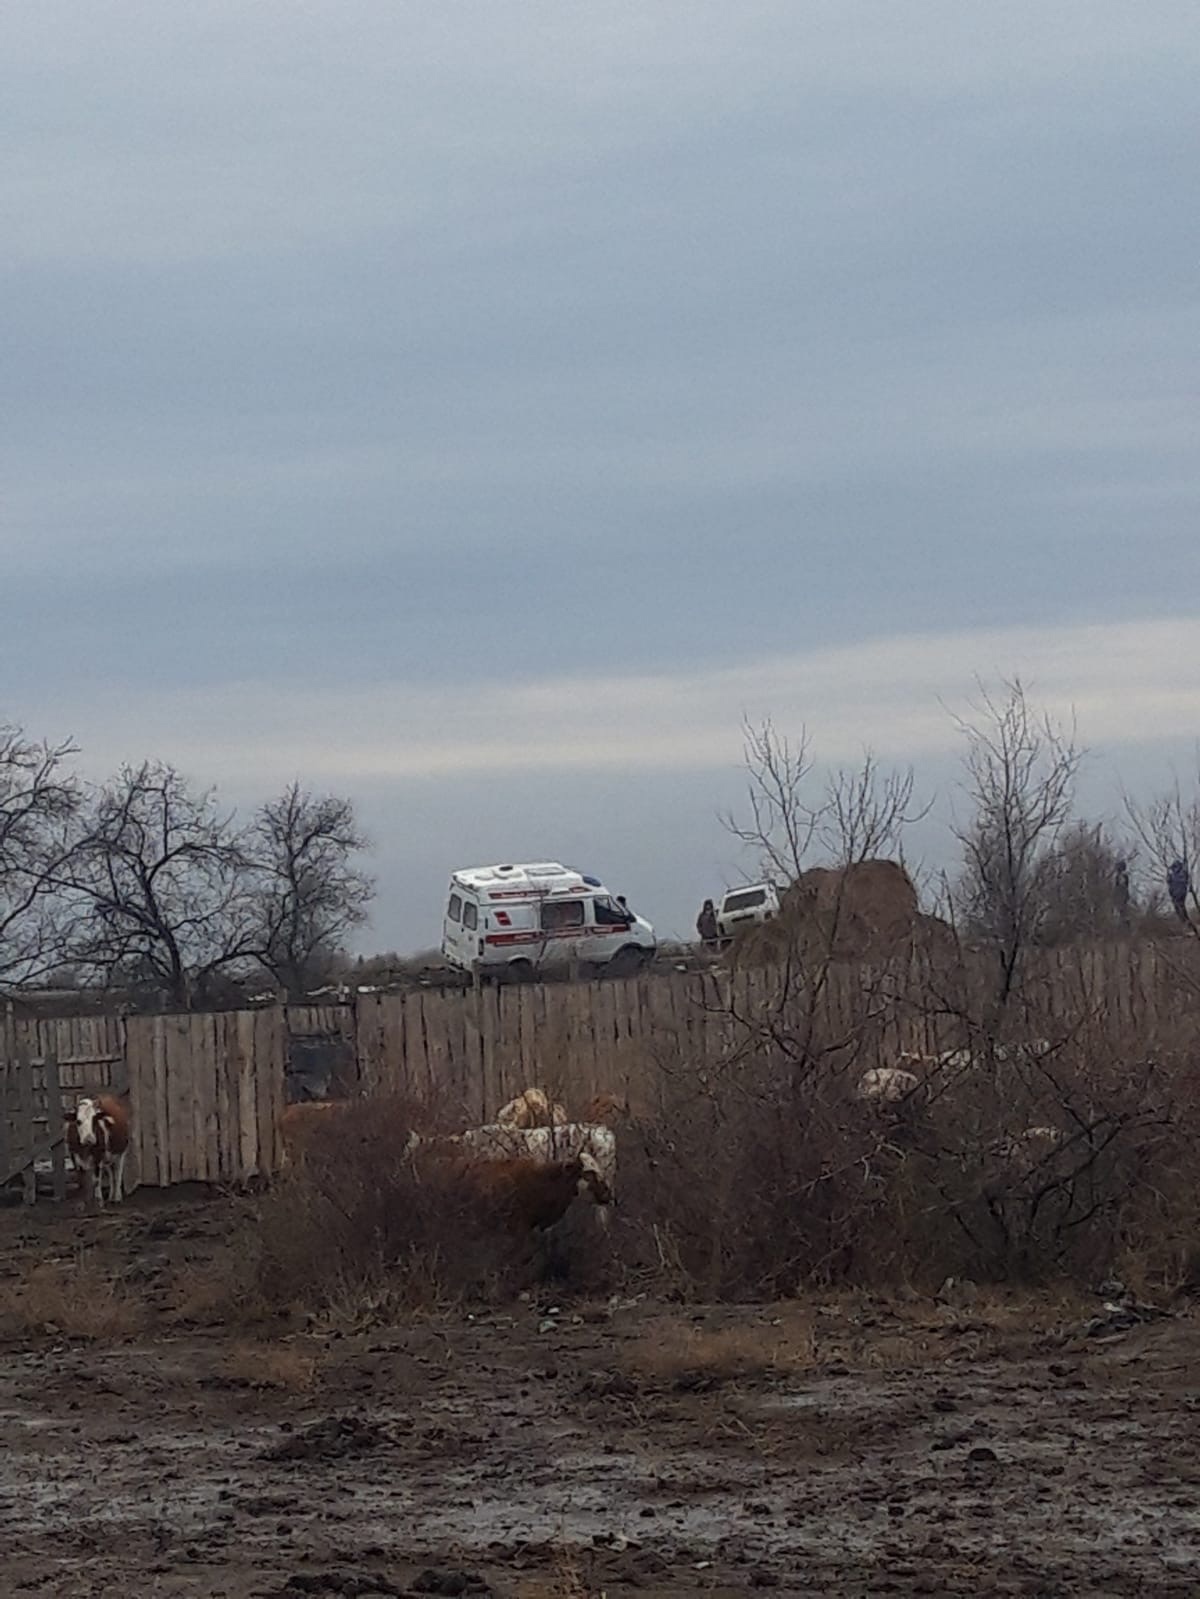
520, 971
629, 961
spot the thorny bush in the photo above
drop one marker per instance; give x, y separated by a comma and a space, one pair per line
764, 1176
768, 1175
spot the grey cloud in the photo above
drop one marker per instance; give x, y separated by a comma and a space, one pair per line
415, 344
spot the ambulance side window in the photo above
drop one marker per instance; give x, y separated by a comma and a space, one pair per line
456, 908
470, 916
561, 913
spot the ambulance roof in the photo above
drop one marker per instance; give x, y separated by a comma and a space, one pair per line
531, 877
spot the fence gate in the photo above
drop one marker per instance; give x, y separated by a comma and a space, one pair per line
322, 1057
32, 1136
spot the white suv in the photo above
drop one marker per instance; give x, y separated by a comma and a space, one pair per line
756, 903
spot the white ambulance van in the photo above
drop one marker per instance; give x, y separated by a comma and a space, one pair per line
514, 921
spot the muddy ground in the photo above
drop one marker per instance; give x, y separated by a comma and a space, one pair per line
565, 1447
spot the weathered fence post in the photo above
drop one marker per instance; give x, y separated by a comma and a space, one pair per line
6, 1113
25, 1142
54, 1123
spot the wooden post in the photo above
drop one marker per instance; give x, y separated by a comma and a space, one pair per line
24, 1138
6, 1111
54, 1123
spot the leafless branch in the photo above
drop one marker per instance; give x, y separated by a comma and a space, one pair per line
1020, 780
308, 895
40, 799
866, 811
780, 823
163, 881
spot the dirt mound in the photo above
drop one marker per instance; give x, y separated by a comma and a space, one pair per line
872, 902
859, 912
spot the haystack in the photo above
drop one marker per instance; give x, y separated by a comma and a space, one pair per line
860, 912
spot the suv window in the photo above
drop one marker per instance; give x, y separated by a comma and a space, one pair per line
455, 909
470, 915
560, 913
745, 900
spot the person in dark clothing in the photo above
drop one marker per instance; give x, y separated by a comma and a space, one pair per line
1178, 883
1121, 893
706, 924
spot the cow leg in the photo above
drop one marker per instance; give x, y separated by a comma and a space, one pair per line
119, 1178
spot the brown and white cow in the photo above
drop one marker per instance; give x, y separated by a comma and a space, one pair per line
523, 1194
532, 1108
98, 1138
594, 1145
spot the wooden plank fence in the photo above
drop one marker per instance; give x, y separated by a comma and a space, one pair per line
90, 1050
207, 1091
32, 1141
206, 1095
472, 1050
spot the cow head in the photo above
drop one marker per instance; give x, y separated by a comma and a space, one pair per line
591, 1181
85, 1120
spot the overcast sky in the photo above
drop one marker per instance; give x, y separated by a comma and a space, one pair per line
477, 408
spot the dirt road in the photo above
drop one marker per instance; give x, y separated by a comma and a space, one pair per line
843, 1448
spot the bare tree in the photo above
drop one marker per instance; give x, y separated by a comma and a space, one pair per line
162, 879
1020, 779
309, 895
39, 804
850, 819
781, 822
866, 811
858, 814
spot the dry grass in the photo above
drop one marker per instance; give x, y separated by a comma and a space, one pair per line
71, 1301
565, 1581
672, 1356
204, 1298
271, 1367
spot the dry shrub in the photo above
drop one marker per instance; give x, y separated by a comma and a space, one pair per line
353, 1229
765, 1174
216, 1295
71, 1301
694, 1358
281, 1367
200, 1299
762, 1175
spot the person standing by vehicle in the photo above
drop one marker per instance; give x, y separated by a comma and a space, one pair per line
1178, 884
1121, 895
706, 925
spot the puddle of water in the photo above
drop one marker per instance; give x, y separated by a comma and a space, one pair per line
33, 1423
